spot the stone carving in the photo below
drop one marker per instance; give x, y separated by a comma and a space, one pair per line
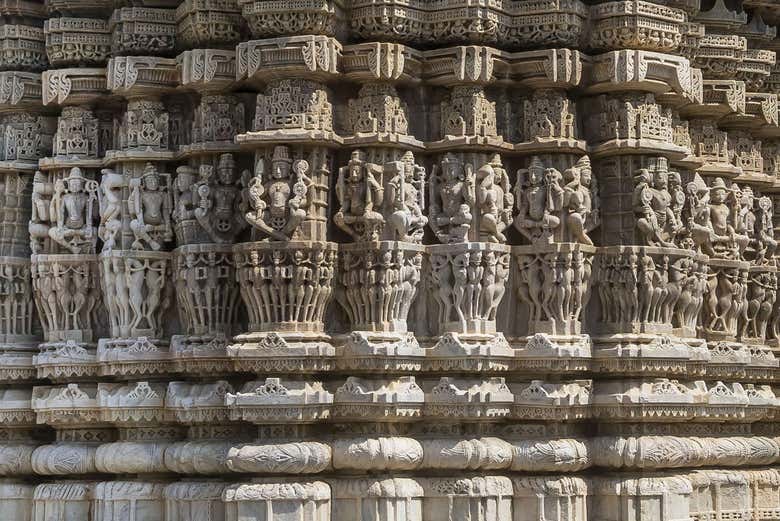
554, 206
554, 260
150, 205
278, 200
467, 205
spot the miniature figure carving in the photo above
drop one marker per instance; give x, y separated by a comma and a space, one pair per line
110, 201
72, 207
278, 201
405, 199
654, 207
724, 239
360, 192
452, 197
150, 207
41, 217
217, 200
540, 198
495, 201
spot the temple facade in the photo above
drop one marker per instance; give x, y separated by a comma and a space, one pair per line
389, 260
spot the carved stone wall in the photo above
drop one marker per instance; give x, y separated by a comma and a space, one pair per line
389, 260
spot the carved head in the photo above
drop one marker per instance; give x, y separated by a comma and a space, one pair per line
184, 177
718, 191
356, 165
451, 167
407, 160
151, 178
661, 179
281, 163
226, 169
747, 200
586, 172
536, 171
75, 180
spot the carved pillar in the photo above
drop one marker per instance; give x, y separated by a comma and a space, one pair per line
380, 193
207, 193
650, 277
286, 275
64, 234
27, 136
136, 217
145, 434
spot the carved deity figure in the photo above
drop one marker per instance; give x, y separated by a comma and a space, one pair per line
494, 201
539, 195
654, 207
183, 194
110, 202
405, 199
452, 196
150, 206
217, 200
41, 217
360, 193
766, 245
724, 239
580, 202
72, 207
278, 200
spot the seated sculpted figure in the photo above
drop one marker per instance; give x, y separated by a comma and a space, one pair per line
150, 205
404, 199
452, 197
539, 198
724, 240
278, 200
73, 204
360, 193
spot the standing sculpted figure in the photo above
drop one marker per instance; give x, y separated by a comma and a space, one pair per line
653, 207
216, 199
539, 197
451, 198
405, 199
278, 201
72, 205
494, 200
360, 192
110, 202
580, 202
41, 217
765, 233
150, 205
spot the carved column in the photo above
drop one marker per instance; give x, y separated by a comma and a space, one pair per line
556, 212
380, 193
284, 411
286, 274
650, 276
136, 216
207, 194
469, 211
65, 225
